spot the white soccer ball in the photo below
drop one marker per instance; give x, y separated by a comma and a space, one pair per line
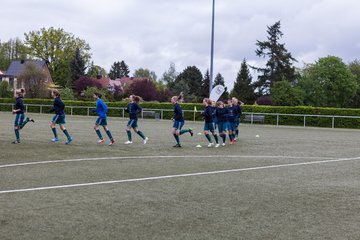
257, 136
198, 146
199, 133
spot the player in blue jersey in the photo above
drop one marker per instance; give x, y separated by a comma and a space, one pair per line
221, 113
59, 118
101, 109
133, 109
178, 121
231, 119
238, 111
209, 125
19, 110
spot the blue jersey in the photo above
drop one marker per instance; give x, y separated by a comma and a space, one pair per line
231, 114
221, 114
133, 109
58, 107
19, 105
101, 108
208, 114
178, 113
237, 110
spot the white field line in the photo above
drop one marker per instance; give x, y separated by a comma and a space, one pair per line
149, 157
177, 175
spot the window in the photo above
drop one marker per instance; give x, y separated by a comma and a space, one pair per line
11, 83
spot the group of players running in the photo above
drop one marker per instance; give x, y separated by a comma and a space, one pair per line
225, 119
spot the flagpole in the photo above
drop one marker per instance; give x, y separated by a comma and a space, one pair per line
212, 47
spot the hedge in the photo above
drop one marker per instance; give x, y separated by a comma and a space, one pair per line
269, 119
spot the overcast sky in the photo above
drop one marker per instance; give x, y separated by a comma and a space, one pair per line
153, 33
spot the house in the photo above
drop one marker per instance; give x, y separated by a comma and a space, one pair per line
17, 67
120, 83
110, 84
126, 81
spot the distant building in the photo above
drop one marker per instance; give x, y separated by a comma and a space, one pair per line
120, 83
17, 67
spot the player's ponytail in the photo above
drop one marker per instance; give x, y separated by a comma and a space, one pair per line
20, 92
137, 99
56, 93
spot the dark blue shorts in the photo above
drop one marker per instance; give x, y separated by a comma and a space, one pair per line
132, 123
101, 121
222, 126
58, 119
19, 119
209, 127
178, 125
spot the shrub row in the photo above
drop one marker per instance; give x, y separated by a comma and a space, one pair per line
269, 119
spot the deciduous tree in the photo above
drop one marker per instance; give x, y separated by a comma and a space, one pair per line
57, 47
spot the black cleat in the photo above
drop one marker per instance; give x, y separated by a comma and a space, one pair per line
31, 120
16, 142
191, 132
177, 145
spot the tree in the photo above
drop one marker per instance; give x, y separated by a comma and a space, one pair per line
67, 94
145, 73
88, 94
279, 66
219, 80
169, 76
13, 49
243, 88
138, 86
85, 82
5, 91
354, 67
192, 77
284, 94
57, 47
34, 80
94, 71
205, 85
77, 67
119, 70
329, 83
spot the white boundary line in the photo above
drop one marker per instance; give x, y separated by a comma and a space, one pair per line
177, 175
149, 157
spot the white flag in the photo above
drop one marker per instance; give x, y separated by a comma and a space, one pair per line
216, 92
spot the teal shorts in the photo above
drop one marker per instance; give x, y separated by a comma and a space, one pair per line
222, 126
19, 119
58, 119
101, 122
178, 125
132, 123
209, 127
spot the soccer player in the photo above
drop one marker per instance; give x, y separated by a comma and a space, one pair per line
19, 110
178, 121
101, 110
209, 125
59, 118
133, 109
221, 113
231, 117
238, 111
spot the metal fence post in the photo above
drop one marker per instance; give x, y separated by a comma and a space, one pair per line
304, 120
333, 122
277, 120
